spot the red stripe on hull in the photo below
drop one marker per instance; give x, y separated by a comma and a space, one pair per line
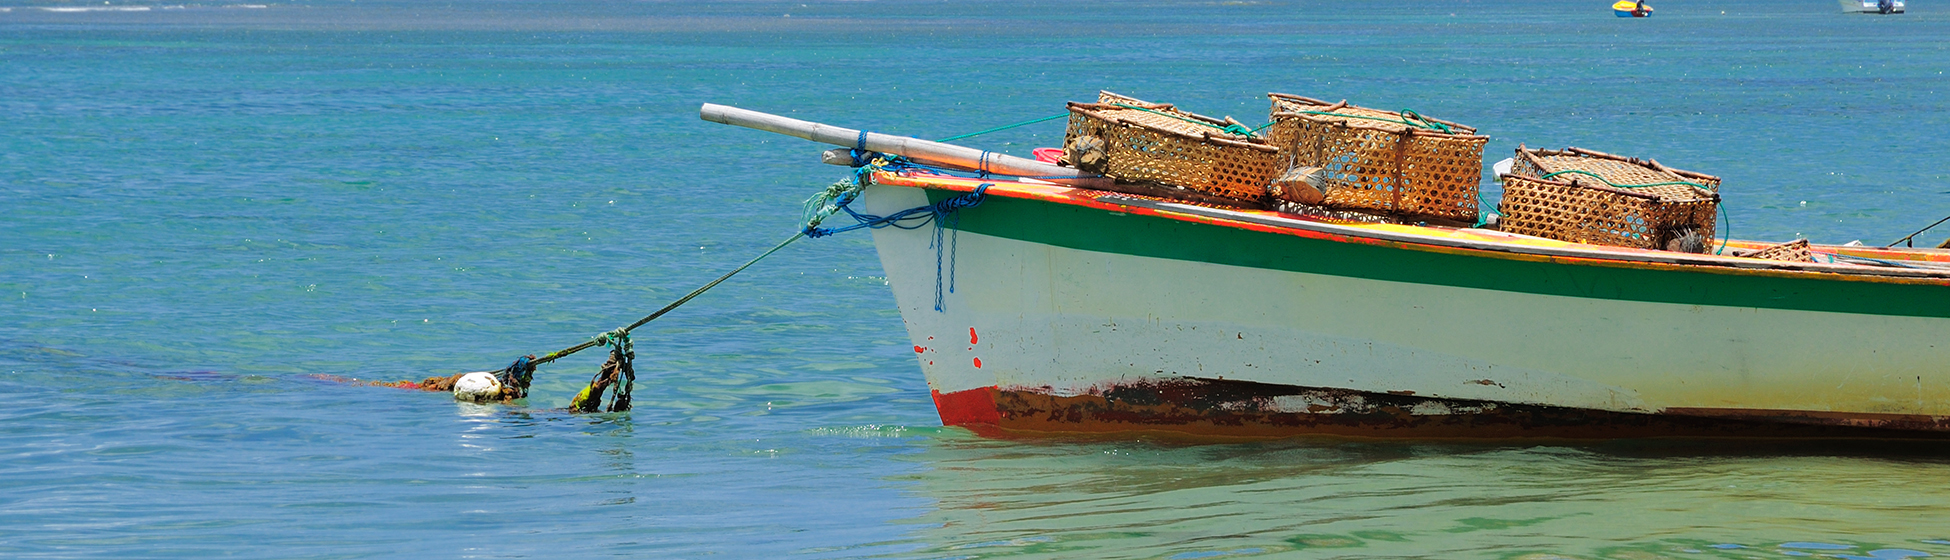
1212, 408
963, 408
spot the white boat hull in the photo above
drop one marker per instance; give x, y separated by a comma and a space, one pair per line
1043, 336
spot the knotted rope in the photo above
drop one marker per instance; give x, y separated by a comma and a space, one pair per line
619, 371
516, 377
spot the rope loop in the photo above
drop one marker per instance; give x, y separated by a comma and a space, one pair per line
618, 339
861, 158
1409, 116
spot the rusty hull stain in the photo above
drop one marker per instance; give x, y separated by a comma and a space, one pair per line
1225, 408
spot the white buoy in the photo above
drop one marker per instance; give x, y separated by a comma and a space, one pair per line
478, 386
1502, 168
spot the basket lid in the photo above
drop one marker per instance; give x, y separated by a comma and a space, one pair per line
1616, 171
1164, 116
1392, 121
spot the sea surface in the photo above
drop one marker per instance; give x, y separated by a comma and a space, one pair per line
215, 214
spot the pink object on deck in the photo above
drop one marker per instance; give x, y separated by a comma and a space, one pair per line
1048, 155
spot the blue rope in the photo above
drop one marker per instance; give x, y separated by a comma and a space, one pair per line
518, 376
943, 215
905, 219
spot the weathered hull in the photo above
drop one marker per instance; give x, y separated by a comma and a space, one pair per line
1072, 314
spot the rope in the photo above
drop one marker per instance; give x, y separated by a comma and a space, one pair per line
1005, 127
1832, 257
1909, 240
1484, 203
619, 371
905, 219
814, 215
516, 377
1726, 229
1409, 118
944, 215
1602, 179
836, 198
591, 343
1234, 129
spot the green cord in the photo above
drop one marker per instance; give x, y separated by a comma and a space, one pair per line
1234, 129
1023, 123
1484, 204
1726, 229
1409, 118
1608, 181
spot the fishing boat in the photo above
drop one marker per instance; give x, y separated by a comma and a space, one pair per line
1631, 8
1872, 6
1041, 307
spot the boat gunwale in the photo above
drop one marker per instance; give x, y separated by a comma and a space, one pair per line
1305, 226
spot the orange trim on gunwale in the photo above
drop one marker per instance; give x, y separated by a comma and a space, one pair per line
1431, 238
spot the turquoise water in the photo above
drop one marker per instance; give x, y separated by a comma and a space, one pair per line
209, 206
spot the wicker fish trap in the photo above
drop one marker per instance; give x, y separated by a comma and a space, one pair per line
1616, 171
1136, 141
1394, 162
1792, 251
1580, 211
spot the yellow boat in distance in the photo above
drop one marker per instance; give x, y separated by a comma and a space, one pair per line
1631, 8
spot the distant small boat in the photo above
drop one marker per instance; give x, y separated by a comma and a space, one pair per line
1634, 8
1873, 6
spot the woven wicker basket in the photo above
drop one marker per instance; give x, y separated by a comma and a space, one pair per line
1580, 211
1391, 162
1158, 143
1792, 251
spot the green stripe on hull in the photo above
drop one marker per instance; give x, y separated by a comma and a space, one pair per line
1091, 229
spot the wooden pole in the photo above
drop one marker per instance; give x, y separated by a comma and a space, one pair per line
915, 148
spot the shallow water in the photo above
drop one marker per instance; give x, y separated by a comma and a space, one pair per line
214, 209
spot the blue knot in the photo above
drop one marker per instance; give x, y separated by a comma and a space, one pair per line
518, 375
